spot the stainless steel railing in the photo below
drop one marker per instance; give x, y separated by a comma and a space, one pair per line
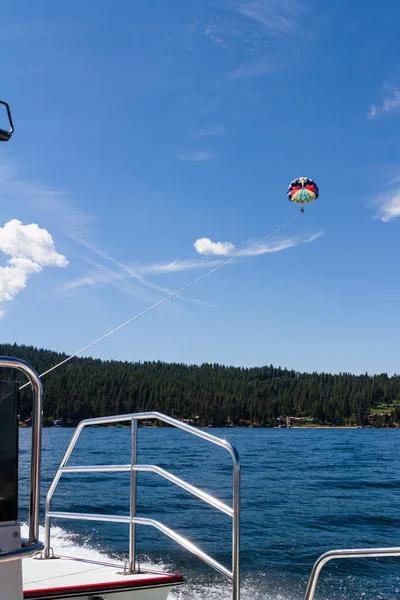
32, 545
232, 511
354, 553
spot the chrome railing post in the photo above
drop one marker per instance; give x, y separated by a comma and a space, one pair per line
236, 530
37, 417
47, 518
133, 495
47, 524
36, 448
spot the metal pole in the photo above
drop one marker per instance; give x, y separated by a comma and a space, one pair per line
132, 525
37, 416
21, 365
236, 529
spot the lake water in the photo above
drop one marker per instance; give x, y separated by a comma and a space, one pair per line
303, 492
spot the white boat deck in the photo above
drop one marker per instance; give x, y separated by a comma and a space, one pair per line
66, 577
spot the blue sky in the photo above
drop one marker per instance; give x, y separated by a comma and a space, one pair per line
141, 127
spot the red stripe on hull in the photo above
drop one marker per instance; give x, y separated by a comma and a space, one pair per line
114, 586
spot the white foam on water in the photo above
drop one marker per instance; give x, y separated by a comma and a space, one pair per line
68, 544
222, 591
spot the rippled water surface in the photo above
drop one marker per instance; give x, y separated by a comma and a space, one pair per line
303, 492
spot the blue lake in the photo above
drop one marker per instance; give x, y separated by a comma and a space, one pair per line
303, 492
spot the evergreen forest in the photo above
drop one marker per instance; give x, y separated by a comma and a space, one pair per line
210, 394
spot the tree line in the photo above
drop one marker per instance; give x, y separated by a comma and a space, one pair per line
207, 394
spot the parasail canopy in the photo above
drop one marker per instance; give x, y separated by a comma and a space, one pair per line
302, 190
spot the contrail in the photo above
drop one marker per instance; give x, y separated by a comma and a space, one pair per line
150, 308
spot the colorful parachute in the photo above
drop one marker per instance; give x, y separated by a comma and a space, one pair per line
302, 190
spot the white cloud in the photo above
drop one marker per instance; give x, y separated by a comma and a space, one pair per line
273, 16
261, 20
199, 156
206, 246
176, 266
262, 35
209, 130
30, 241
389, 206
391, 102
94, 278
281, 244
244, 26
13, 277
31, 248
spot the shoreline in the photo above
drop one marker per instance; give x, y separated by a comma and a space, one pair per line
332, 427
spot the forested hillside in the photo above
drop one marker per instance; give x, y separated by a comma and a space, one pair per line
207, 394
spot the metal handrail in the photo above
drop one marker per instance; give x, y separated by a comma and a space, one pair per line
26, 551
352, 553
195, 491
32, 545
133, 468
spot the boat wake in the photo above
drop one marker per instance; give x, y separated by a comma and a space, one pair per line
66, 544
202, 586
197, 591
197, 586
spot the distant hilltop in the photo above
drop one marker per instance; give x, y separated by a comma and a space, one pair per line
209, 394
